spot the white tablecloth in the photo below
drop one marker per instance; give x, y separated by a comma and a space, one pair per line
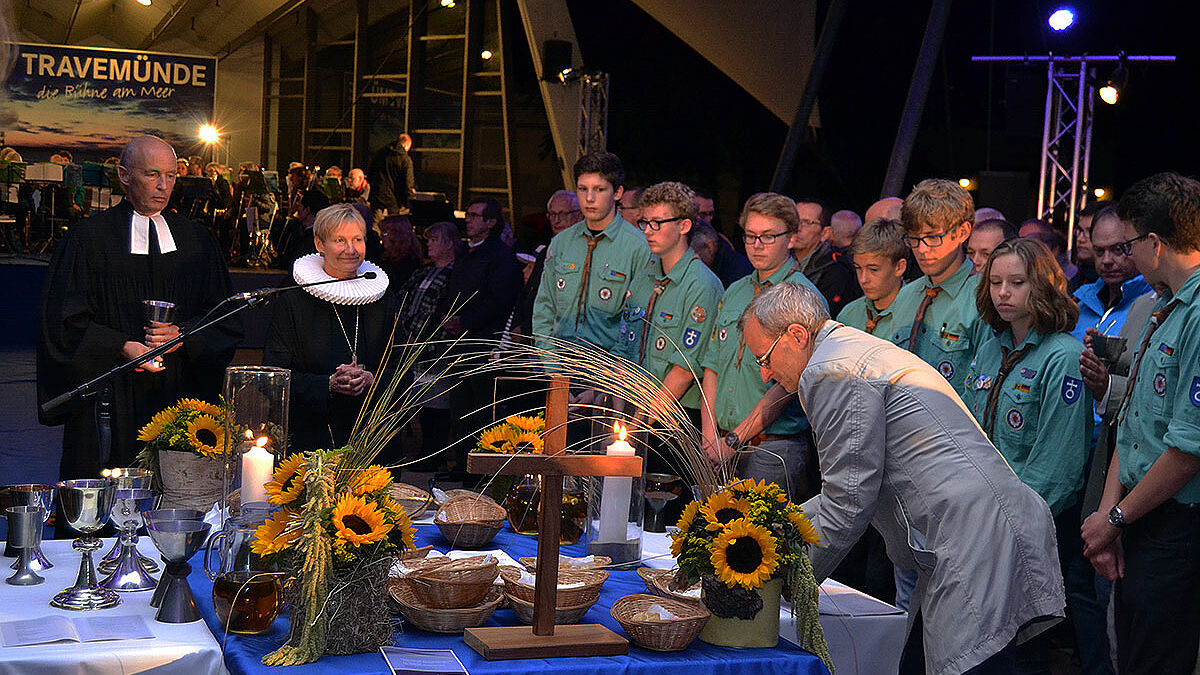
176, 649
865, 635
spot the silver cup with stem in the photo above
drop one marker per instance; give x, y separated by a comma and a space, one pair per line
86, 504
168, 515
129, 573
177, 541
29, 494
128, 479
25, 534
159, 311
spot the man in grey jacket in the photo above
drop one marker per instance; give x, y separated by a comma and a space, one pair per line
898, 450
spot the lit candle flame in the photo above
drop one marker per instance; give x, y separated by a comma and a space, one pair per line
262, 440
619, 430
249, 435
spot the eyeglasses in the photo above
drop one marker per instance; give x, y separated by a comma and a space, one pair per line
1126, 247
930, 240
656, 225
558, 215
764, 239
809, 222
764, 361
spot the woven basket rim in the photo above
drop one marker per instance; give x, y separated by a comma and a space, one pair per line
683, 611
560, 608
465, 509
593, 577
601, 561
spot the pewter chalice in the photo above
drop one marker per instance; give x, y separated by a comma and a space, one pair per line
25, 534
177, 541
166, 515
128, 479
29, 495
85, 506
128, 572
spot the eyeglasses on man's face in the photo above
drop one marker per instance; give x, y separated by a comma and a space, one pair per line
930, 240
1126, 247
656, 225
764, 361
765, 239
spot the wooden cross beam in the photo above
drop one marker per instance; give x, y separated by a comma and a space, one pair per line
540, 640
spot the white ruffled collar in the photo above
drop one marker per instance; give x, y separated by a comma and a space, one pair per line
311, 267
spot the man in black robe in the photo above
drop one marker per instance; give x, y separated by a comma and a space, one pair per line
92, 316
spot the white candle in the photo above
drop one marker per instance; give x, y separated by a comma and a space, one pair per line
616, 495
257, 466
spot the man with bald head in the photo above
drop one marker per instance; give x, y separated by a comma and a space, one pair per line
887, 208
843, 225
92, 316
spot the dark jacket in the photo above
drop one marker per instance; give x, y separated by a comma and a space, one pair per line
729, 265
391, 178
833, 276
483, 288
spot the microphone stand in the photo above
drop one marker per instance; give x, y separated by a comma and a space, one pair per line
252, 299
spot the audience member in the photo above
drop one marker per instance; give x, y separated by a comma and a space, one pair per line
1054, 240
880, 261
985, 237
706, 210
392, 179
832, 276
887, 208
629, 204
358, 190
843, 225
716, 253
1110, 296
401, 250
562, 211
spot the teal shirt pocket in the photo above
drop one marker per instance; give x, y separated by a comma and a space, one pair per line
1164, 378
1016, 425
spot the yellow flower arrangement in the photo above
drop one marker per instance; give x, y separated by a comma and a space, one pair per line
155, 427
202, 407
287, 483
724, 508
191, 425
517, 433
496, 439
744, 554
528, 441
207, 435
356, 522
279, 532
526, 422
372, 479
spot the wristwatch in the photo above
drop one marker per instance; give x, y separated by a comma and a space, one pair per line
732, 440
1116, 517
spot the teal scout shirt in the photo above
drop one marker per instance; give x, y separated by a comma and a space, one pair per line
1043, 422
859, 311
951, 329
1164, 407
620, 251
680, 323
739, 379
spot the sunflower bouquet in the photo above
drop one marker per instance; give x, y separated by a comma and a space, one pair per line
739, 540
191, 425
517, 433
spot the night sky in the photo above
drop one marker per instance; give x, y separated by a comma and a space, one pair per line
675, 116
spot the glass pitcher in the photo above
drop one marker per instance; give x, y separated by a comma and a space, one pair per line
230, 550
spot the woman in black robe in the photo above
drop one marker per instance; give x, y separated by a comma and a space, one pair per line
334, 336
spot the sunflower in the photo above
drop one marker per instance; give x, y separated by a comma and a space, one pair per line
202, 407
277, 533
406, 530
528, 441
358, 522
744, 554
156, 425
372, 479
723, 508
495, 439
687, 517
206, 435
807, 532
287, 483
526, 422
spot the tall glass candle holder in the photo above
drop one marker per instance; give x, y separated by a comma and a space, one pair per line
615, 510
256, 431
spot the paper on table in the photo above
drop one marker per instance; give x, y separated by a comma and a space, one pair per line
55, 628
403, 661
501, 557
838, 600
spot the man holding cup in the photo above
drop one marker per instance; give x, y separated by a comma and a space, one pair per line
93, 314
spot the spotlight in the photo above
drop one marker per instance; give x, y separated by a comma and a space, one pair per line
447, 3
144, 3
209, 134
967, 183
1100, 193
1061, 19
1110, 93
568, 75
486, 54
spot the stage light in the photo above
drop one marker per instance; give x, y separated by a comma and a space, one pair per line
1110, 93
144, 3
967, 183
447, 3
568, 75
209, 134
1100, 193
486, 54
1062, 19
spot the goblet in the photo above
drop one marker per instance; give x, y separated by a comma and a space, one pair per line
29, 495
127, 479
1108, 348
177, 541
160, 515
660, 489
128, 573
24, 533
85, 507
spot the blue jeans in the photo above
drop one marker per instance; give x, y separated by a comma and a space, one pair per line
779, 461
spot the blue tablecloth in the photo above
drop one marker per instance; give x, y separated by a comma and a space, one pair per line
243, 654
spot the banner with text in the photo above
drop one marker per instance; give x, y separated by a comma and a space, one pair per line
91, 101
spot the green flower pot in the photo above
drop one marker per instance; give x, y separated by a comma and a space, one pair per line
740, 617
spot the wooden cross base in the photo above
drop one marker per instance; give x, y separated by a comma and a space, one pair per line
520, 642
544, 639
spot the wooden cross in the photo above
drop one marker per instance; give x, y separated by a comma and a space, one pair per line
540, 640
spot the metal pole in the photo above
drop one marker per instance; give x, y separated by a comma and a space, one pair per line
914, 106
791, 146
1077, 155
1046, 140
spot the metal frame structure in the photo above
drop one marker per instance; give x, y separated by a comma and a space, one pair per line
593, 113
1067, 129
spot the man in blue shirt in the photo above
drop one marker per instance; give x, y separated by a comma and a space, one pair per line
1104, 302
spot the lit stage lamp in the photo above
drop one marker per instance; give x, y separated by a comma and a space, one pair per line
1061, 19
568, 75
1110, 93
209, 134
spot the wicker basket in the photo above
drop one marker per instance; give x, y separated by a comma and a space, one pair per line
660, 635
476, 569
592, 580
469, 521
454, 585
564, 563
411, 498
658, 582
442, 620
563, 614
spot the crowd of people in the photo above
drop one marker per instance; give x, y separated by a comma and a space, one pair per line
927, 376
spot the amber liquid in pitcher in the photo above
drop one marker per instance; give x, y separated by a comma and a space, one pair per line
246, 602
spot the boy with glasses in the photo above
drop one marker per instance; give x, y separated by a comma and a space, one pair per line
733, 386
880, 261
935, 317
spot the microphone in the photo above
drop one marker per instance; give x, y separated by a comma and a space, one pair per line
264, 292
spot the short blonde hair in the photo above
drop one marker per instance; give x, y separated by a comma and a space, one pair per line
676, 195
330, 217
771, 205
939, 203
881, 236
